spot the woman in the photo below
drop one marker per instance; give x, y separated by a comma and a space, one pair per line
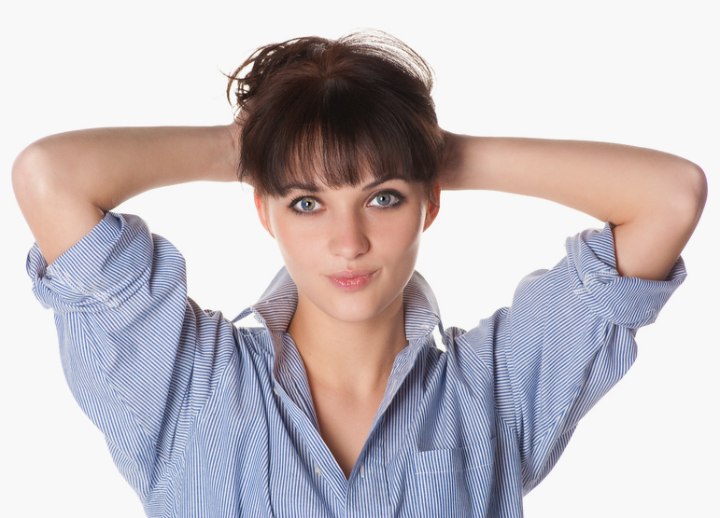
342, 403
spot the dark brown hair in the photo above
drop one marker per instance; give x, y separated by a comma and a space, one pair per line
330, 110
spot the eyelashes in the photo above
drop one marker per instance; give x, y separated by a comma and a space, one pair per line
305, 205
385, 199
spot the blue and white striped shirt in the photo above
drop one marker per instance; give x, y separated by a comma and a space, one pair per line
206, 419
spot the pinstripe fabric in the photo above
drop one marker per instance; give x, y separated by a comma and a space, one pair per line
206, 419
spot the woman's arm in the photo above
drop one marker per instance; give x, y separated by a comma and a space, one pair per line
654, 199
64, 183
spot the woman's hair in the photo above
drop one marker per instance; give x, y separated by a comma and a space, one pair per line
334, 110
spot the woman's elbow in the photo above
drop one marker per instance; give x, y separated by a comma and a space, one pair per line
690, 194
31, 175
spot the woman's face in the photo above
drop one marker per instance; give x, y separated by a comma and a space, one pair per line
350, 250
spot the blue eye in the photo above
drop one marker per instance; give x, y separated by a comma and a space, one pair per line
386, 199
304, 205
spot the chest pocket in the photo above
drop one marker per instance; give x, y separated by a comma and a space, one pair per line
431, 462
453, 481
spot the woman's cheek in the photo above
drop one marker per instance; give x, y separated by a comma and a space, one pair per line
402, 231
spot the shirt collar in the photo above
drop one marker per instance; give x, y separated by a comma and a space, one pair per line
277, 304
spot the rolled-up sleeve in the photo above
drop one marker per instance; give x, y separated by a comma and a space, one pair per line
625, 301
140, 357
567, 338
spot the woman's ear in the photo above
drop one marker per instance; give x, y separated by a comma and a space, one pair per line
433, 205
262, 211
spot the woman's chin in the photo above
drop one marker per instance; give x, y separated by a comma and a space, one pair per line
357, 307
354, 312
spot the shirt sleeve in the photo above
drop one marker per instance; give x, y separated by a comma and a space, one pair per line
567, 338
139, 356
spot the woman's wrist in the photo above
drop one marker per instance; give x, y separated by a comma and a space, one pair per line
460, 167
230, 149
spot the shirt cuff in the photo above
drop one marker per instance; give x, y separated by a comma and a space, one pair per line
100, 271
626, 301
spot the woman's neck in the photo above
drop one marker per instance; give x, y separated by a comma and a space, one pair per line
354, 358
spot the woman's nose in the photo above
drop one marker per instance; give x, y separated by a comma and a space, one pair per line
349, 239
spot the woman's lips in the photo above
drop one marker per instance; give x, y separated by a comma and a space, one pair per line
353, 280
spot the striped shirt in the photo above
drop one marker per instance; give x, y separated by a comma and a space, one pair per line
208, 419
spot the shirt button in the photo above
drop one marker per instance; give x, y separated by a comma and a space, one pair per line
276, 391
317, 470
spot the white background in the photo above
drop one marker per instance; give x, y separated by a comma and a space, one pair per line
641, 73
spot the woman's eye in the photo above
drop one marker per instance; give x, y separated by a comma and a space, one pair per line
386, 199
305, 205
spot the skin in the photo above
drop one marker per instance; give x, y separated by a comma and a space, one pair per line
64, 183
348, 339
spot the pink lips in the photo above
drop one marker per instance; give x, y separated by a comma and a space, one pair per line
352, 280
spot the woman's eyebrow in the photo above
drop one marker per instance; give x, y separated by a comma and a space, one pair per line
379, 181
295, 186
312, 187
